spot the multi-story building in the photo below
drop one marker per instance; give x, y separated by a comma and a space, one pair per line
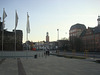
76, 30
85, 39
64, 45
74, 33
53, 45
9, 40
91, 38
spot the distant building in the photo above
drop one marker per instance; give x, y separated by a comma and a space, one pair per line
87, 39
74, 33
27, 45
47, 37
98, 20
91, 38
76, 30
0, 26
64, 45
53, 45
9, 40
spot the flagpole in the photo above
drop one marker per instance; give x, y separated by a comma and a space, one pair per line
27, 36
4, 16
15, 30
27, 28
2, 35
16, 22
15, 39
27, 39
2, 29
27, 31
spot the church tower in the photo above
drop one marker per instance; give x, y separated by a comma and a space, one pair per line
47, 37
98, 20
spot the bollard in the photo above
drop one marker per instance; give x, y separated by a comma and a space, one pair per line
42, 54
74, 52
39, 54
35, 56
86, 53
64, 52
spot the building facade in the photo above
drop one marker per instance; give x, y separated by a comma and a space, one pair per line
91, 38
74, 35
85, 39
76, 30
9, 40
47, 37
64, 45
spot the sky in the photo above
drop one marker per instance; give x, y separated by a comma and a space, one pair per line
49, 15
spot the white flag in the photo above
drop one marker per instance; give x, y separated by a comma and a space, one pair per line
4, 16
28, 25
16, 19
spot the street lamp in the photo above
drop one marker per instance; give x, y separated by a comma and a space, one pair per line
58, 33
58, 40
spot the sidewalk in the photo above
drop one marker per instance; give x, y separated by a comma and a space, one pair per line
9, 67
51, 65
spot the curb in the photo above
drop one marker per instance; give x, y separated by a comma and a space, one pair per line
66, 56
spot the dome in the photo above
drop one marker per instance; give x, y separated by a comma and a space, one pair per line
78, 26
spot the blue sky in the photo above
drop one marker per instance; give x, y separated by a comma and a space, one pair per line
49, 15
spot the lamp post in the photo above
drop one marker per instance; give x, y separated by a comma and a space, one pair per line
58, 40
94, 43
58, 34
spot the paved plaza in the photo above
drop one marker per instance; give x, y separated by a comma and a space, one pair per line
50, 65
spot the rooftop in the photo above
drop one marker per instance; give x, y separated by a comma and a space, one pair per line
95, 30
78, 26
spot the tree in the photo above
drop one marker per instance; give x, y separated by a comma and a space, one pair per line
64, 38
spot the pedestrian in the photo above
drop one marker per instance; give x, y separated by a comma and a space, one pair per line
48, 51
45, 52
